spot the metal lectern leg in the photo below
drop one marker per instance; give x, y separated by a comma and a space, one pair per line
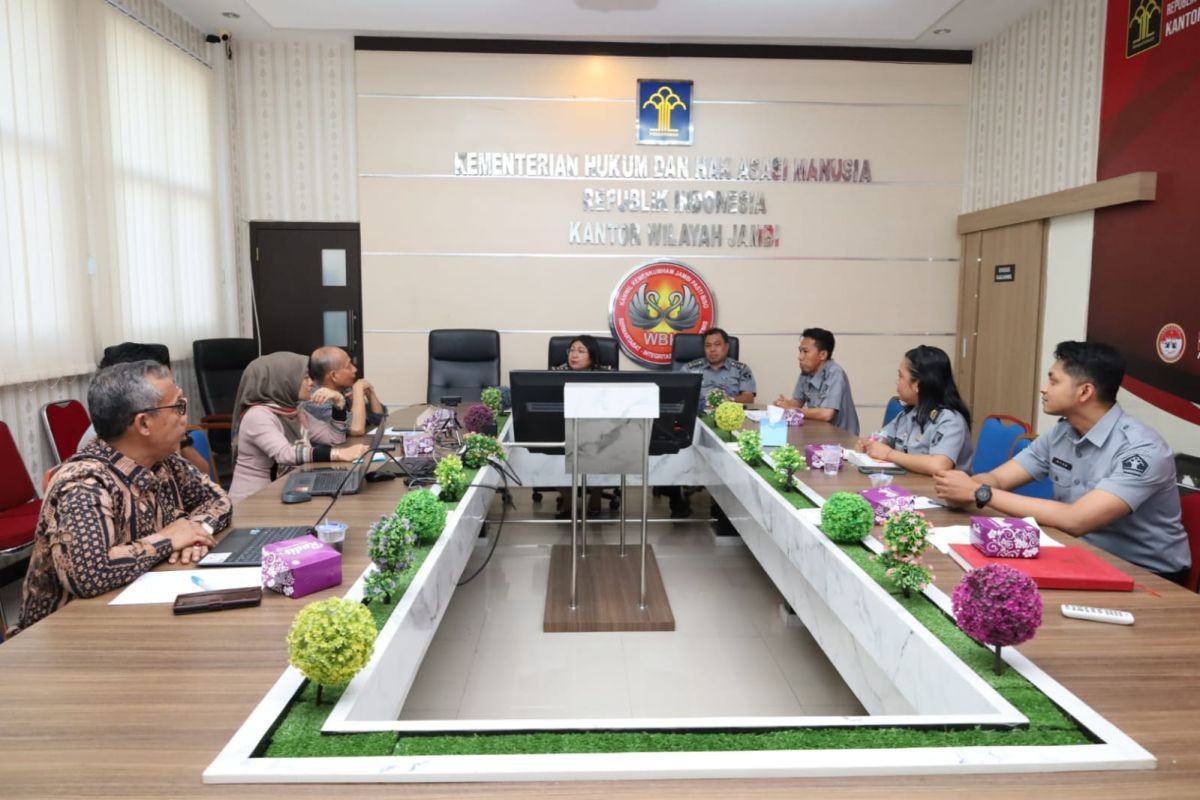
583, 525
624, 502
574, 505
645, 504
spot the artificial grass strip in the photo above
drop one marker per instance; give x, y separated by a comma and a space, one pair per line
794, 497
299, 735
711, 422
380, 611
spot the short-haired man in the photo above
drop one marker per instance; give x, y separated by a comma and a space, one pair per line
127, 501
331, 368
127, 352
1113, 477
719, 371
822, 390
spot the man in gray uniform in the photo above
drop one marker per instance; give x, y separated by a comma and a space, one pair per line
1114, 478
719, 371
822, 390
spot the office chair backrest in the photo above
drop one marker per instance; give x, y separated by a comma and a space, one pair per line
219, 367
462, 362
1043, 488
200, 444
65, 422
556, 353
893, 409
996, 437
687, 347
17, 488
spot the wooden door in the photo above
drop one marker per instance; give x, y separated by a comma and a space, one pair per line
307, 286
1000, 319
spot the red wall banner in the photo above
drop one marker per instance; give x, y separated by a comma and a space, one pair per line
1145, 290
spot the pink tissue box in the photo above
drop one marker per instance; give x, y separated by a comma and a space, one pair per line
418, 444
812, 457
1005, 537
794, 417
888, 499
300, 566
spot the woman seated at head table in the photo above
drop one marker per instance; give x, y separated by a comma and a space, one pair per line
583, 354
933, 432
271, 434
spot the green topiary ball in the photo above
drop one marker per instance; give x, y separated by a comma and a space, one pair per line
477, 447
424, 512
451, 477
492, 398
730, 416
847, 517
331, 640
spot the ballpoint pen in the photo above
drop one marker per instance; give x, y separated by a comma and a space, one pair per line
196, 579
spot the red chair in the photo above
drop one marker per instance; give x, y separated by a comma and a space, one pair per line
65, 422
1190, 504
19, 507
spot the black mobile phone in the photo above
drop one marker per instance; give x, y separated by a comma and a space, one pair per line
219, 600
884, 470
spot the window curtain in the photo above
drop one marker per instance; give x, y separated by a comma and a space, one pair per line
109, 194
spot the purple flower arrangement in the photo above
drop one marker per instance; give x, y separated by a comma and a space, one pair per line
479, 418
997, 606
438, 419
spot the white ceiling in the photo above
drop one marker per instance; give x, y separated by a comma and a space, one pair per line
864, 23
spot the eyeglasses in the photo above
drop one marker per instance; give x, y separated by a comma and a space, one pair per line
180, 407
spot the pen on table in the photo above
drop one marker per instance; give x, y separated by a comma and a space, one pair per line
196, 579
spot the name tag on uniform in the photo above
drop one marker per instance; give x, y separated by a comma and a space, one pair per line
1060, 463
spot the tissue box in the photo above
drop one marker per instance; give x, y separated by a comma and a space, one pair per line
794, 417
1005, 537
300, 566
812, 457
888, 499
417, 443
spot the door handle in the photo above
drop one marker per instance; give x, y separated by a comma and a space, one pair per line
350, 319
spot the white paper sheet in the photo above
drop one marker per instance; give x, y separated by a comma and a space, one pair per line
863, 460
163, 587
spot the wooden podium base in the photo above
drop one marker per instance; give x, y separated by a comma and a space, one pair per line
607, 592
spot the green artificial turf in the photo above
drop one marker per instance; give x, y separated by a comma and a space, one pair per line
298, 734
776, 480
710, 421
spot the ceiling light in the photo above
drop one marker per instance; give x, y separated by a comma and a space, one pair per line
940, 31
235, 15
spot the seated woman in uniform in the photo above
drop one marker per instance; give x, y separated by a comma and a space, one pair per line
933, 432
583, 354
271, 434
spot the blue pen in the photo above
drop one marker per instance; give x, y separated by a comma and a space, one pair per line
196, 579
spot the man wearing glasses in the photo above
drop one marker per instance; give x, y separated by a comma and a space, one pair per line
127, 501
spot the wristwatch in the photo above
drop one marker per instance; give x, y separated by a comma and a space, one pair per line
207, 528
983, 496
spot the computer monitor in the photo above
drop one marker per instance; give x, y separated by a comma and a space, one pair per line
537, 405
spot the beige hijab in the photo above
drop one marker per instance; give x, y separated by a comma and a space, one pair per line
273, 381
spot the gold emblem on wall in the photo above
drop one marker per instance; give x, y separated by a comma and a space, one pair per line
1145, 26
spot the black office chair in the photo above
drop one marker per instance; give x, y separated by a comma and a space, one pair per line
219, 367
462, 362
690, 346
609, 351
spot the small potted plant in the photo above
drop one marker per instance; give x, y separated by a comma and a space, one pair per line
425, 514
451, 477
730, 416
330, 641
715, 398
847, 517
479, 418
905, 538
382, 586
493, 399
477, 448
390, 543
997, 606
787, 460
750, 447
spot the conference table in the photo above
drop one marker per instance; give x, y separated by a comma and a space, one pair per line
133, 702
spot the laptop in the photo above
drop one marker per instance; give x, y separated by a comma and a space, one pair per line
325, 482
242, 547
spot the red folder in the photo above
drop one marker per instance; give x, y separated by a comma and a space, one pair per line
1058, 568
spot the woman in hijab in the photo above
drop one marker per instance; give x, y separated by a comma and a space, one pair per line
270, 432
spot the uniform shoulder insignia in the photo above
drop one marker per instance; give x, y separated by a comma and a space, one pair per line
696, 362
933, 415
733, 362
1134, 465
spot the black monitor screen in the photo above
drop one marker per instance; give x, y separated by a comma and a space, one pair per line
537, 403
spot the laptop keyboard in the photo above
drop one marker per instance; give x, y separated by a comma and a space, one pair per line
328, 482
252, 552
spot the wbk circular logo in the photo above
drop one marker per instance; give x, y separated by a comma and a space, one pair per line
654, 302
